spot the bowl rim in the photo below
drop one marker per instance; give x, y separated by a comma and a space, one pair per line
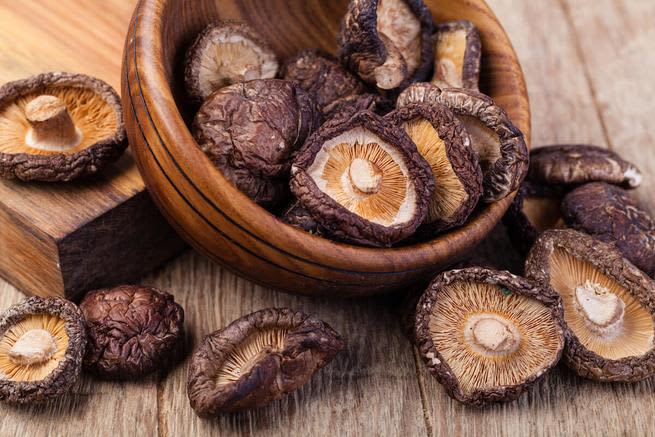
165, 119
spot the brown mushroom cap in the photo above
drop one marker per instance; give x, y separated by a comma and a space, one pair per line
500, 145
133, 331
488, 335
387, 42
610, 214
579, 164
257, 359
363, 181
250, 131
457, 55
298, 216
42, 343
609, 308
224, 54
56, 127
446, 146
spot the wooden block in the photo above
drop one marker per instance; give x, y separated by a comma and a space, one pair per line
64, 239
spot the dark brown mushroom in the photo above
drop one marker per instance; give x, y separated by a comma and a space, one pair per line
299, 217
500, 145
363, 181
346, 107
224, 54
250, 131
609, 308
611, 215
133, 331
487, 335
387, 42
457, 53
257, 359
42, 343
57, 127
446, 146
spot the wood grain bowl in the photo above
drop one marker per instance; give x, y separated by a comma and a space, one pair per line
222, 223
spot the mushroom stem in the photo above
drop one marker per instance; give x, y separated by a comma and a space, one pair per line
602, 309
51, 126
36, 346
365, 176
492, 334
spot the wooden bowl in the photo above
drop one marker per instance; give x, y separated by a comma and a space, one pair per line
222, 223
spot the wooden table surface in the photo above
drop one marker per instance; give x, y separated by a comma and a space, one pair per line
589, 67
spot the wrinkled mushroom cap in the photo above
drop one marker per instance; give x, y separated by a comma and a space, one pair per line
257, 359
56, 127
611, 215
224, 54
133, 331
608, 305
457, 54
487, 335
42, 342
363, 181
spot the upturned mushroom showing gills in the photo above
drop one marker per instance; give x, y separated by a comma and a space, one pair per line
487, 335
59, 127
363, 181
609, 310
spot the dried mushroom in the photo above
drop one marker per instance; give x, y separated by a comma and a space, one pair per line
224, 54
579, 164
42, 343
363, 181
610, 214
387, 42
457, 53
322, 76
257, 359
488, 335
250, 131
500, 145
446, 146
299, 217
609, 309
346, 107
56, 127
536, 208
133, 331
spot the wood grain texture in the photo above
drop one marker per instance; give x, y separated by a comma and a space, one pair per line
66, 238
220, 221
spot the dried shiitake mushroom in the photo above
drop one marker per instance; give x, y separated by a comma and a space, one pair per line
387, 42
500, 145
42, 343
250, 131
322, 76
346, 107
457, 53
610, 214
363, 181
56, 127
579, 164
609, 309
257, 359
133, 331
535, 209
488, 335
446, 146
299, 217
224, 54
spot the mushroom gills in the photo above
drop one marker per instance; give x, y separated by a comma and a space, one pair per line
484, 141
397, 22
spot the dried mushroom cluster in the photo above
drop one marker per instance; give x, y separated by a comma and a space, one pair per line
388, 142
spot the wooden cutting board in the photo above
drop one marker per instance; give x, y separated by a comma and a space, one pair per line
64, 239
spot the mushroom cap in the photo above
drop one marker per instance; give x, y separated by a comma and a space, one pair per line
563, 259
458, 51
257, 359
390, 212
133, 331
206, 70
94, 107
446, 146
460, 322
610, 214
345, 107
580, 163
500, 145
364, 47
64, 322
